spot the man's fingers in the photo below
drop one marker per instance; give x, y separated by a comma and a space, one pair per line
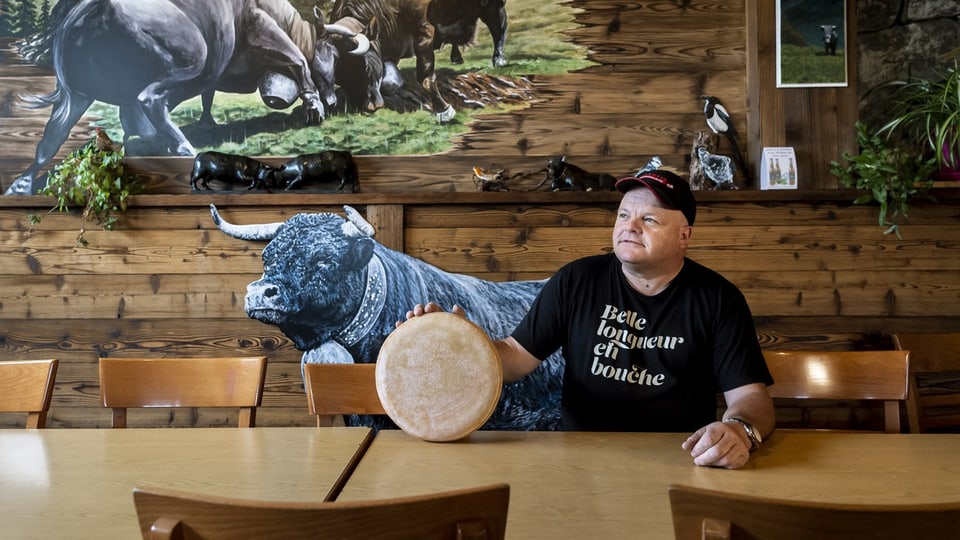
430, 307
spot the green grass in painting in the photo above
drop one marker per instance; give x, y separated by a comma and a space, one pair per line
535, 46
809, 65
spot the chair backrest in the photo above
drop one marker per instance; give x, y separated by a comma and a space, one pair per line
934, 402
27, 386
707, 514
183, 382
843, 375
477, 513
335, 389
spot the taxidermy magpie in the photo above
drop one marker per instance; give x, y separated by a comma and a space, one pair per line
719, 121
719, 169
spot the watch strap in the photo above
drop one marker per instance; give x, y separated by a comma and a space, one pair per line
755, 439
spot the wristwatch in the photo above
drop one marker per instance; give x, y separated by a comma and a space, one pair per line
755, 439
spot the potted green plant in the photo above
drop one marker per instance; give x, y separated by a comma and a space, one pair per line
926, 112
893, 175
92, 177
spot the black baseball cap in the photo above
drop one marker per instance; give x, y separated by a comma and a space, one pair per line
672, 191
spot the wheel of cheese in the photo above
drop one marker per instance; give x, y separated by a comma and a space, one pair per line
439, 377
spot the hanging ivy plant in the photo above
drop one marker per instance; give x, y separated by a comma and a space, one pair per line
893, 176
92, 177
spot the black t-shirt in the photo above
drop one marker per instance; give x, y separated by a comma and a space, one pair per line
643, 363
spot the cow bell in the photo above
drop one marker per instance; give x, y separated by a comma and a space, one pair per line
278, 91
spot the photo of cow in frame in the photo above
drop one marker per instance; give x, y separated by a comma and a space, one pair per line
811, 43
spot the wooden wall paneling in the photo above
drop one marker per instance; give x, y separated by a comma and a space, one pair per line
755, 39
168, 282
818, 122
387, 221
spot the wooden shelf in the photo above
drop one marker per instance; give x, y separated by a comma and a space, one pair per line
453, 198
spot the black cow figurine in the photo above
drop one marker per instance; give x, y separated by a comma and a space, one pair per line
564, 176
322, 167
230, 169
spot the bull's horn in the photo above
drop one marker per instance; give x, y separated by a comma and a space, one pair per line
357, 220
352, 29
263, 231
363, 45
340, 30
346, 26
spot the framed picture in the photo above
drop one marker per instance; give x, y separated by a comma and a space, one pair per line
811, 43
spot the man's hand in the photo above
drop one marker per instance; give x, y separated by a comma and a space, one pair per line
431, 307
719, 445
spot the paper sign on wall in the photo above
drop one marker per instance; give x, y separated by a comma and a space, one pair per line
778, 168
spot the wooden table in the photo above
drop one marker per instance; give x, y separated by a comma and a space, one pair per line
77, 483
614, 485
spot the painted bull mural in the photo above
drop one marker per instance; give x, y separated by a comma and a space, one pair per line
415, 28
169, 51
455, 22
336, 293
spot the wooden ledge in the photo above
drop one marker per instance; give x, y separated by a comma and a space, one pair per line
843, 196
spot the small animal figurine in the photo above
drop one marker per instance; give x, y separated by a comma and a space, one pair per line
322, 167
717, 168
230, 169
490, 179
564, 176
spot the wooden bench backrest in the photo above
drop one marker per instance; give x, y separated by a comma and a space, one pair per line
27, 386
708, 514
936, 359
336, 389
183, 382
468, 513
843, 375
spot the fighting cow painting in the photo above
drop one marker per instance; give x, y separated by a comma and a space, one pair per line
337, 293
271, 77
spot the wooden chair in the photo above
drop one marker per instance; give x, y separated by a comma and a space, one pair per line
701, 514
182, 382
843, 375
934, 402
477, 513
27, 386
336, 389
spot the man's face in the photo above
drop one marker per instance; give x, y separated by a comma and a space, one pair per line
647, 236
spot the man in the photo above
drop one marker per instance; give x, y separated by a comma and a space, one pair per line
649, 336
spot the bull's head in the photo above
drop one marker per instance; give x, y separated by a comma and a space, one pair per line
343, 38
313, 267
353, 52
346, 32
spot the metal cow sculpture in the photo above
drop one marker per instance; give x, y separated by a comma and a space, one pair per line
328, 166
230, 169
337, 293
148, 57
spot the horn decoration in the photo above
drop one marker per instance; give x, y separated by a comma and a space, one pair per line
357, 220
262, 231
